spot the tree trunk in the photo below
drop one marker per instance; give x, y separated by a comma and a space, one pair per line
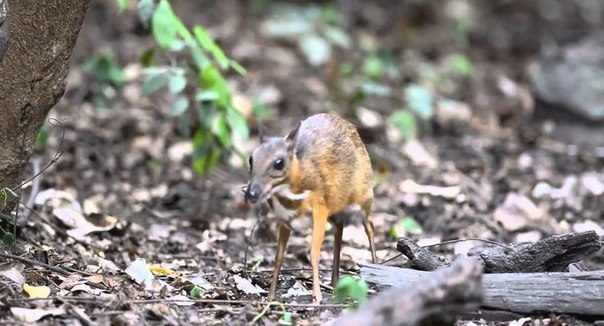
33, 74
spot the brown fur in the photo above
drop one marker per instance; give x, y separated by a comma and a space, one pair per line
324, 156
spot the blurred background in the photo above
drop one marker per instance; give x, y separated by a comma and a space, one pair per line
482, 118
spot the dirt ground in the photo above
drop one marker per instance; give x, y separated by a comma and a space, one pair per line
509, 171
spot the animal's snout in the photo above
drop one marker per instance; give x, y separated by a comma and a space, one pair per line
252, 193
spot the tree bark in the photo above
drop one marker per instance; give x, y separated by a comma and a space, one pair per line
571, 293
33, 74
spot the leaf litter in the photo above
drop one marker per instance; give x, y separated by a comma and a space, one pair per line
134, 236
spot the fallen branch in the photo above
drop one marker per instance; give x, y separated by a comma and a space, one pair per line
449, 292
575, 293
552, 254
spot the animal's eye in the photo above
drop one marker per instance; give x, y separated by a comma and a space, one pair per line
279, 164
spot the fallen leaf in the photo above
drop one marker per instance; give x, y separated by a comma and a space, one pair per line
593, 183
369, 118
14, 275
296, 290
97, 279
515, 212
36, 291
162, 271
160, 231
418, 154
178, 151
48, 194
140, 272
201, 282
246, 285
33, 315
410, 186
71, 281
84, 288
588, 225
181, 300
530, 236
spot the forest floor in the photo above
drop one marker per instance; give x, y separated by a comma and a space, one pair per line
123, 188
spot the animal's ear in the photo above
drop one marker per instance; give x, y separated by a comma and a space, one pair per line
290, 139
262, 132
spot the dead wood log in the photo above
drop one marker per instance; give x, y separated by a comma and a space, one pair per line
574, 293
551, 254
449, 292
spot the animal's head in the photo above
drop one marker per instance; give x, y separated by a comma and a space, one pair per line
270, 166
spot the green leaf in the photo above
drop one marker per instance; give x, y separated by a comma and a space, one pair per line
337, 36
177, 83
42, 138
343, 288
145, 11
373, 88
212, 79
237, 67
209, 95
420, 100
461, 65
147, 58
122, 4
347, 68
373, 67
221, 130
154, 83
316, 49
206, 41
407, 225
286, 319
107, 71
8, 239
163, 24
196, 292
205, 163
200, 60
411, 225
405, 122
359, 291
179, 106
284, 27
237, 122
351, 287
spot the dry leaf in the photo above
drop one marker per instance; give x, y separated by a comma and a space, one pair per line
140, 272
296, 290
417, 153
162, 271
516, 211
246, 285
36, 291
33, 315
14, 275
181, 300
71, 281
97, 279
410, 186
588, 225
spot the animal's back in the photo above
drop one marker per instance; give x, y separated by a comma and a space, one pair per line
333, 161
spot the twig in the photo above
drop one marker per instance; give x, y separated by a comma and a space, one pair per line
57, 156
49, 267
470, 239
167, 300
390, 259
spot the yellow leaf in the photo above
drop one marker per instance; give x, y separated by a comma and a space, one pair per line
36, 291
158, 270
